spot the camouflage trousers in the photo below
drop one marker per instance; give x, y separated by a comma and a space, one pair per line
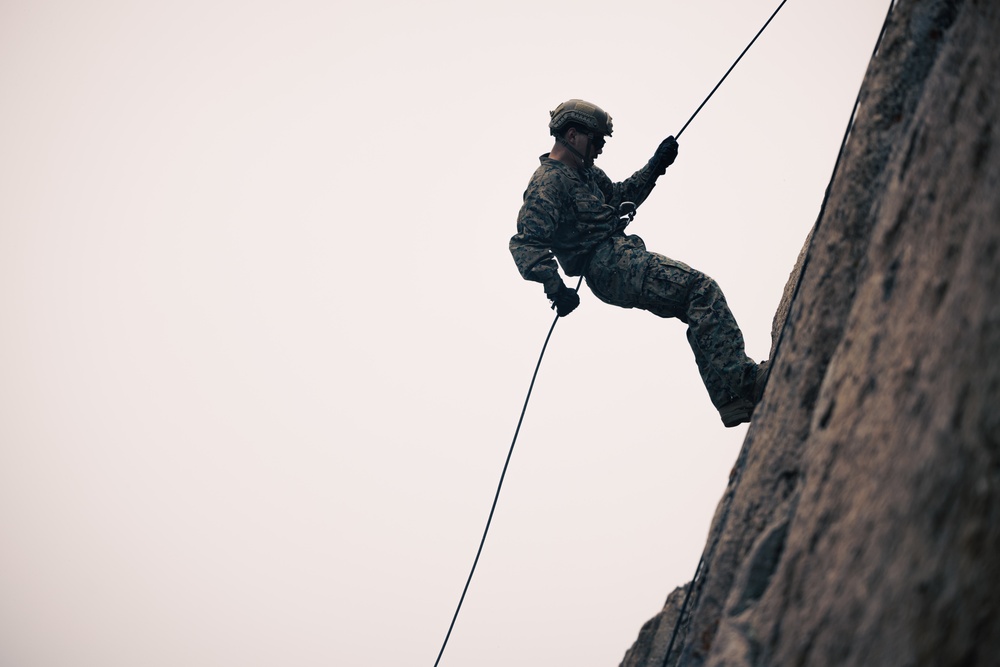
623, 273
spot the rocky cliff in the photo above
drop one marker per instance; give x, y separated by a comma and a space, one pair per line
861, 525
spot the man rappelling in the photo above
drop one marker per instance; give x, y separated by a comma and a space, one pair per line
573, 213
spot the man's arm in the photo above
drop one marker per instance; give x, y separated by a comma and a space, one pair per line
637, 187
531, 247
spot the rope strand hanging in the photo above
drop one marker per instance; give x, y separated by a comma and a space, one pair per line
707, 554
531, 386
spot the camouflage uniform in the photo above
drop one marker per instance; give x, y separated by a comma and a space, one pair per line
571, 215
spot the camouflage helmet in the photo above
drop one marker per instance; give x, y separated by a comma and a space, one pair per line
590, 116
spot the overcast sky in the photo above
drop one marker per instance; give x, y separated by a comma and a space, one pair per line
263, 347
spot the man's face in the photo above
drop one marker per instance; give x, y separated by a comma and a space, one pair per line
593, 144
596, 147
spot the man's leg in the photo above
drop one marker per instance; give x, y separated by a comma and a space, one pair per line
674, 289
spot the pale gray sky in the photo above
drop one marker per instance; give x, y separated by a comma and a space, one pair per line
264, 348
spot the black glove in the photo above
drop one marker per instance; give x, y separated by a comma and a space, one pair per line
564, 301
665, 155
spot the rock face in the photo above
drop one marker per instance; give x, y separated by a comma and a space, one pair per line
862, 522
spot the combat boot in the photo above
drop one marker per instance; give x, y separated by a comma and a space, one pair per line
740, 410
763, 373
736, 412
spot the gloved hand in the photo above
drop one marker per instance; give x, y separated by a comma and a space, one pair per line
564, 300
665, 155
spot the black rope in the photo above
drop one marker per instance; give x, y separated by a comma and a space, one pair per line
706, 555
701, 561
503, 474
510, 452
731, 67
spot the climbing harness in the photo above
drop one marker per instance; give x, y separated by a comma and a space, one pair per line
627, 213
741, 459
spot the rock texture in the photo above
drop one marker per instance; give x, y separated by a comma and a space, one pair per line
862, 522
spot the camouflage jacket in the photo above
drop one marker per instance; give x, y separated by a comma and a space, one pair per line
566, 214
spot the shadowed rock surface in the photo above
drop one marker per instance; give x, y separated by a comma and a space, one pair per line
861, 525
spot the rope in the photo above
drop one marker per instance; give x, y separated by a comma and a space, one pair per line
731, 67
706, 555
503, 474
531, 386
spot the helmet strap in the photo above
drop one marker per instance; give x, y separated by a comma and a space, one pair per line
582, 156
